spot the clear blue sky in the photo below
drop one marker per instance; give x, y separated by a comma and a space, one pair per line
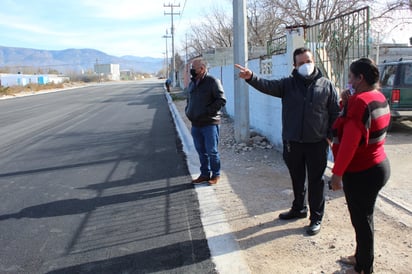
116, 27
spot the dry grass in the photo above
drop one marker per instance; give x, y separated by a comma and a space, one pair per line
28, 88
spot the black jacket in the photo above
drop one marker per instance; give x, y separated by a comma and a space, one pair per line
204, 101
309, 106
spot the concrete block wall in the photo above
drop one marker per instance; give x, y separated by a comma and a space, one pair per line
265, 112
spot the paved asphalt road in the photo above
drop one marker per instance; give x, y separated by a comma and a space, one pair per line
93, 180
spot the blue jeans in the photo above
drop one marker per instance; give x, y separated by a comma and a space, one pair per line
206, 141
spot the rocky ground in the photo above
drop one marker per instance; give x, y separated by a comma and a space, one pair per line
256, 187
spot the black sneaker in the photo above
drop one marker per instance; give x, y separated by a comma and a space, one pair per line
293, 214
314, 228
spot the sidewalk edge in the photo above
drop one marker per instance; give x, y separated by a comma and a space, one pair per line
224, 249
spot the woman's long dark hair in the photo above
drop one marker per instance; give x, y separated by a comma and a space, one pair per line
368, 69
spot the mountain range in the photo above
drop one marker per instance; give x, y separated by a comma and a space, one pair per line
70, 60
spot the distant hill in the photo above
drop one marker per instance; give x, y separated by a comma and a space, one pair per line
73, 60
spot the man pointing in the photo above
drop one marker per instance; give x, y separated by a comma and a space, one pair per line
309, 107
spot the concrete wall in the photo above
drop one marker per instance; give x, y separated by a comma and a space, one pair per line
7, 80
265, 111
57, 79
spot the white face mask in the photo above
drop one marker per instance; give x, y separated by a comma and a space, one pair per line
306, 69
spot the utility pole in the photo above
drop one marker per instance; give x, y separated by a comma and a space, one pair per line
240, 54
171, 6
98, 69
167, 55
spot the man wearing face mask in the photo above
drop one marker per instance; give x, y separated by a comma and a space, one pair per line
204, 102
309, 107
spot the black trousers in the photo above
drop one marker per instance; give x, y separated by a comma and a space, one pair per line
311, 158
361, 190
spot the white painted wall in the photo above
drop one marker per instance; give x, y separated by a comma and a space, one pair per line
17, 79
8, 80
265, 112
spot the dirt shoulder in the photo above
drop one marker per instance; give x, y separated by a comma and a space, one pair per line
18, 91
256, 187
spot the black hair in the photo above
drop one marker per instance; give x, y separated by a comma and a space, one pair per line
367, 68
299, 51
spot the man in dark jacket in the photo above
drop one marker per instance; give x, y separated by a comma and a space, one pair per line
309, 107
205, 99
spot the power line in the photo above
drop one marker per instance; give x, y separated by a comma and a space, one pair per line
181, 13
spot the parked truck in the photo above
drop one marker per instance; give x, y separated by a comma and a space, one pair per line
396, 85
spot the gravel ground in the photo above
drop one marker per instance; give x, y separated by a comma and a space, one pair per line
256, 187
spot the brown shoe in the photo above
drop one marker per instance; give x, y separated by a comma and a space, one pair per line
200, 179
214, 180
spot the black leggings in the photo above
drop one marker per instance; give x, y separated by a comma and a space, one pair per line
361, 190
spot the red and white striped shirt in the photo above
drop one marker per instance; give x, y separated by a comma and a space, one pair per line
359, 133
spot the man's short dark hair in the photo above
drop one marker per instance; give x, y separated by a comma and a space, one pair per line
299, 51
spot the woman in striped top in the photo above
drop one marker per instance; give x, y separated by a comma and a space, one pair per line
361, 166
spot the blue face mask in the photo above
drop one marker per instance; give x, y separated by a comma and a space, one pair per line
351, 89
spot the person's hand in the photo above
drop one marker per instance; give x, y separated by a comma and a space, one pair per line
244, 73
336, 182
330, 142
344, 95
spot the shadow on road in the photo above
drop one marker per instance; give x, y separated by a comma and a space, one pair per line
78, 206
153, 260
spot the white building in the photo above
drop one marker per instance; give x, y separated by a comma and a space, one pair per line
109, 71
9, 79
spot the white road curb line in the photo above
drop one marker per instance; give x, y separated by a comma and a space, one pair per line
224, 249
